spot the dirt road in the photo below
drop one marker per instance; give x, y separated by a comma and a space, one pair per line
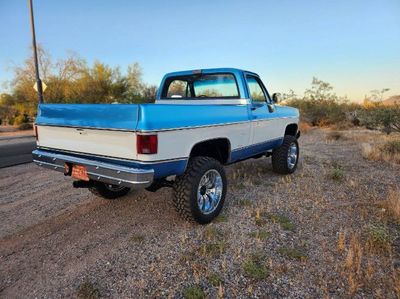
56, 241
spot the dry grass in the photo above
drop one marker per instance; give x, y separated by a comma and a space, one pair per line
334, 135
392, 205
341, 241
352, 265
304, 127
389, 151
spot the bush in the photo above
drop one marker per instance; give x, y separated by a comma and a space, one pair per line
319, 112
21, 119
379, 117
25, 126
391, 147
194, 292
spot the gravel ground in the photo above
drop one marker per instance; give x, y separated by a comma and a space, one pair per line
277, 236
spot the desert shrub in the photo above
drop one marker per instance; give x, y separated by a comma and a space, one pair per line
379, 117
320, 112
293, 253
25, 126
254, 267
21, 119
194, 292
88, 290
388, 151
379, 237
391, 147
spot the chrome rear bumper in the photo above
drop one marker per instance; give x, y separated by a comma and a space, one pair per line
97, 171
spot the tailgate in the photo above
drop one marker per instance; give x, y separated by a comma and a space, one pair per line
101, 129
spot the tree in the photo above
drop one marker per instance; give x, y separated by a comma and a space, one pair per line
71, 80
377, 95
319, 106
7, 110
320, 91
134, 80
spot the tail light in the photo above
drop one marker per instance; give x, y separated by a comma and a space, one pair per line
146, 144
36, 132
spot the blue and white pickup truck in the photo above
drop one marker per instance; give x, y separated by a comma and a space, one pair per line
201, 121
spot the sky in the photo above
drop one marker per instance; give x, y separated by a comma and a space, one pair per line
354, 45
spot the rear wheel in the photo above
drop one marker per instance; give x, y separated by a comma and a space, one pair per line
200, 191
108, 191
285, 157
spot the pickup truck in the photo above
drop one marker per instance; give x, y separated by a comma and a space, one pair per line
201, 120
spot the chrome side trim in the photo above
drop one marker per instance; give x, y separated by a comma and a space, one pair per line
217, 125
97, 171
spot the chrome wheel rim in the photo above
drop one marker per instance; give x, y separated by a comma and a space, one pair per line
114, 188
209, 192
292, 155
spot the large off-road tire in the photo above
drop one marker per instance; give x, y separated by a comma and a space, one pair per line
285, 157
108, 191
200, 191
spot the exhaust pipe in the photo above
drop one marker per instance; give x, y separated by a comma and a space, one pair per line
82, 184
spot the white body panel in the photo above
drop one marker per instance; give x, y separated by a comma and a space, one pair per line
178, 143
268, 129
119, 144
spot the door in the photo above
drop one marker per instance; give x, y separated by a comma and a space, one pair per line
262, 113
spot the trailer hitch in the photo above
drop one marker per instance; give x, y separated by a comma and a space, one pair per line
82, 184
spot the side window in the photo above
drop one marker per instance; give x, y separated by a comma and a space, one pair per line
178, 89
256, 91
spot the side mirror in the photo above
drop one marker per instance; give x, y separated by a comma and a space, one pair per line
276, 98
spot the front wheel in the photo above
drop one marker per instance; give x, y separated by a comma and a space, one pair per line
200, 191
285, 157
108, 191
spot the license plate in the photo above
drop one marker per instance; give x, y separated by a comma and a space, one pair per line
79, 172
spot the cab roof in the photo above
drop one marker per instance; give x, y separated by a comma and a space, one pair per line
209, 71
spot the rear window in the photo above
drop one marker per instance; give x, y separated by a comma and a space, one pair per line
201, 86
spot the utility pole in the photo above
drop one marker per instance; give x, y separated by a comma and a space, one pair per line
38, 81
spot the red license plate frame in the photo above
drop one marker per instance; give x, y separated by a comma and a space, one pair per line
79, 172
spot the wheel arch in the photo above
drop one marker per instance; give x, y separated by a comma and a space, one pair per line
218, 148
293, 130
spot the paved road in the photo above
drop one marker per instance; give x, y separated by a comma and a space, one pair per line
15, 151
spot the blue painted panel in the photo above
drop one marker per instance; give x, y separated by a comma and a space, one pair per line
108, 116
150, 116
249, 151
161, 169
159, 116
